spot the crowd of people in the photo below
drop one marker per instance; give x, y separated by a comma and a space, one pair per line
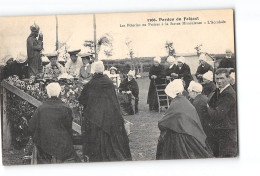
201, 121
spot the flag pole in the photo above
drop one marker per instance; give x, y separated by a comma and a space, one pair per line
57, 39
95, 42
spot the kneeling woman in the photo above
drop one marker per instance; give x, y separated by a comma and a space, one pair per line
182, 135
129, 88
51, 129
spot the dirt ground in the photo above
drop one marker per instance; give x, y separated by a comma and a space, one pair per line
143, 137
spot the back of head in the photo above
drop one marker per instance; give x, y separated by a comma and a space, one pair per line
53, 89
174, 88
98, 67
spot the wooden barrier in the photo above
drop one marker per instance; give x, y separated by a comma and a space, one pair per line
6, 132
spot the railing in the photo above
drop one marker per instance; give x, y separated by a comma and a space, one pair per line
6, 133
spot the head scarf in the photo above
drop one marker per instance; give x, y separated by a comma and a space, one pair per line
98, 67
208, 75
181, 59
203, 57
53, 89
194, 86
157, 59
174, 87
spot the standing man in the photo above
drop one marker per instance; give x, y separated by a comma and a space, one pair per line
103, 130
228, 61
223, 117
34, 47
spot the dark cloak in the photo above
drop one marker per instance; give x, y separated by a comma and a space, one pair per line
51, 129
181, 135
202, 69
152, 96
34, 48
104, 134
185, 74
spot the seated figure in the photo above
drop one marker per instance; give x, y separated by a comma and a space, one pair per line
129, 89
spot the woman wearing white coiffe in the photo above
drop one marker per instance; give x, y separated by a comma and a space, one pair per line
182, 135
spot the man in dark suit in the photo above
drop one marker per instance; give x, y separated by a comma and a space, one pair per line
223, 117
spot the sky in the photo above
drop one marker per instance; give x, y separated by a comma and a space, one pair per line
146, 41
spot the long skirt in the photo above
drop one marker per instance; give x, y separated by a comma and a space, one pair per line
45, 158
101, 146
172, 145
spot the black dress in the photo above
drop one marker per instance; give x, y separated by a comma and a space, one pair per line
103, 131
133, 87
152, 96
182, 136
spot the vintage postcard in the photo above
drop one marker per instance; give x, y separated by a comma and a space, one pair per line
118, 87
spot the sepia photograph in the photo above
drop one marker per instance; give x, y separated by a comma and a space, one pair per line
107, 87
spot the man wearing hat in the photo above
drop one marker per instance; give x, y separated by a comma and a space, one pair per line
85, 70
74, 64
104, 134
203, 67
34, 48
181, 132
228, 61
129, 86
54, 69
182, 71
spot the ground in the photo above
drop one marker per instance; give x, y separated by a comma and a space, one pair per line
144, 131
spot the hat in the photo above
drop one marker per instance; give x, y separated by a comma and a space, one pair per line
113, 68
174, 87
52, 55
45, 59
233, 75
21, 58
85, 55
171, 59
34, 28
194, 86
203, 57
98, 67
181, 59
208, 75
53, 89
131, 72
157, 59
74, 52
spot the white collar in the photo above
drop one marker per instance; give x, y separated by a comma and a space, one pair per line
171, 66
221, 90
228, 57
